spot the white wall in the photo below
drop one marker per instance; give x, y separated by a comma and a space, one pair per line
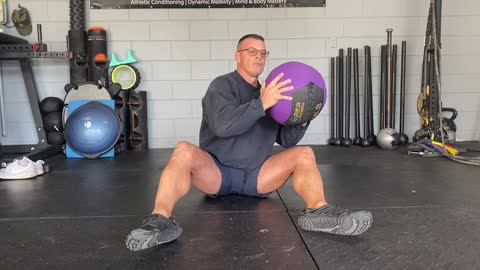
182, 50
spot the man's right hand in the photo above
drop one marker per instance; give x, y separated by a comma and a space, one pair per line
272, 93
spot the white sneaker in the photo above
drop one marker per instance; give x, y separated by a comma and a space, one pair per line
22, 169
39, 166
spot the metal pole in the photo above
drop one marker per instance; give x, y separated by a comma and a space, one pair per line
388, 117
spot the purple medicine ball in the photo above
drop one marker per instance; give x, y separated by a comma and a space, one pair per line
309, 94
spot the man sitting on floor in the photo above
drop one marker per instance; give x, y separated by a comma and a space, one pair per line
235, 155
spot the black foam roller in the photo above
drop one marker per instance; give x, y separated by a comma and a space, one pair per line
121, 107
97, 55
78, 62
138, 120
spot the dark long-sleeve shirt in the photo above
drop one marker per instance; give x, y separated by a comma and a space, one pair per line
235, 128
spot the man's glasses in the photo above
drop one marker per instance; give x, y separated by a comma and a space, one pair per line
253, 52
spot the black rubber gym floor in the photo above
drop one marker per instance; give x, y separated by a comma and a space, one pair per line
426, 216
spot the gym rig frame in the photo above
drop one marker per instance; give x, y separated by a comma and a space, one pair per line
23, 52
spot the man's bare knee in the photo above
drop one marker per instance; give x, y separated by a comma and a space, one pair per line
305, 153
184, 151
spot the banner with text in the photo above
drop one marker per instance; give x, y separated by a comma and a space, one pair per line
108, 4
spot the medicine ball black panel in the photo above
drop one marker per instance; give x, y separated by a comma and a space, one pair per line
51, 104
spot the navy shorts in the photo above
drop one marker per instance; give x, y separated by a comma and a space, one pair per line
238, 181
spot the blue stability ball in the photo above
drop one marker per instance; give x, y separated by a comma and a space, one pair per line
92, 129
